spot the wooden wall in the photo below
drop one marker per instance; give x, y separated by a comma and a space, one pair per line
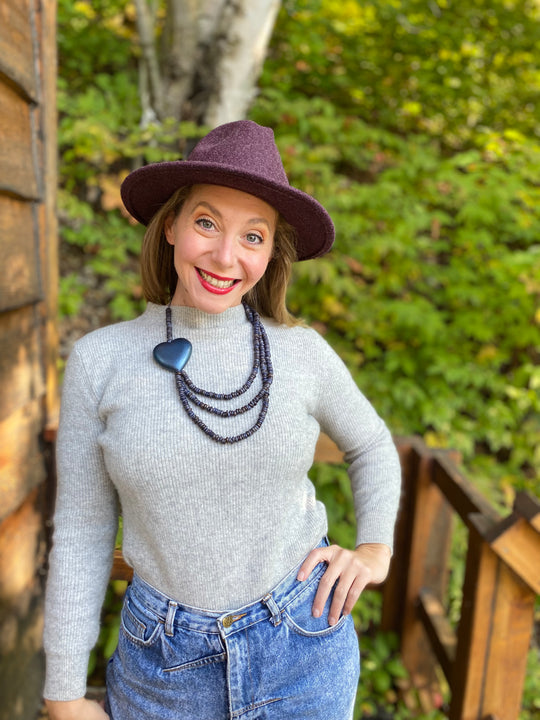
28, 344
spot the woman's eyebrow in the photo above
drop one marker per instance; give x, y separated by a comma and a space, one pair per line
203, 203
215, 211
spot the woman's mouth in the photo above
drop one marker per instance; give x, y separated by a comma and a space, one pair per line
216, 283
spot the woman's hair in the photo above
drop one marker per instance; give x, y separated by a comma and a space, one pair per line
159, 277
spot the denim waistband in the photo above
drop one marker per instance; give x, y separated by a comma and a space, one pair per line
176, 615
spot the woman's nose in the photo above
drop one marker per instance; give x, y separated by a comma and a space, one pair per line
224, 251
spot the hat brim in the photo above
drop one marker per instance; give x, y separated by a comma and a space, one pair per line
145, 190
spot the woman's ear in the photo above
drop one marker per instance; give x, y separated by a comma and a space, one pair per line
168, 228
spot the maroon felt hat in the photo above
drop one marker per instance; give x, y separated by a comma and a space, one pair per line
241, 155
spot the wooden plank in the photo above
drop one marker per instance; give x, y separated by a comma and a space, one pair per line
516, 540
21, 462
19, 280
20, 368
428, 507
442, 636
17, 60
474, 631
512, 625
21, 550
46, 21
497, 618
528, 507
17, 163
27, 156
120, 569
21, 611
460, 492
327, 451
395, 587
519, 548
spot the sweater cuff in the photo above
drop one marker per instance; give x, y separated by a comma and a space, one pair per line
65, 677
375, 529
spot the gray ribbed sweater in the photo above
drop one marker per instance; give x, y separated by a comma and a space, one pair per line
212, 526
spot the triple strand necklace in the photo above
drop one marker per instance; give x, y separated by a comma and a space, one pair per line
174, 355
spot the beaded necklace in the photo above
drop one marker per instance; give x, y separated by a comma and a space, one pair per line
174, 354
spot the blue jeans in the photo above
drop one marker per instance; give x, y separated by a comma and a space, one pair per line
270, 660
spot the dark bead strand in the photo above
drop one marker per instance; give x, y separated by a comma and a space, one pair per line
261, 362
226, 396
224, 413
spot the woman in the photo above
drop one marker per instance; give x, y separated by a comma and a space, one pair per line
200, 421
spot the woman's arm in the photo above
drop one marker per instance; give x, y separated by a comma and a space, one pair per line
85, 526
346, 415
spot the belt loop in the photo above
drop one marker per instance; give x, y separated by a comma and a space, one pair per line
270, 603
169, 620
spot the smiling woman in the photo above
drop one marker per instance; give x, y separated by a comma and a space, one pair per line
200, 419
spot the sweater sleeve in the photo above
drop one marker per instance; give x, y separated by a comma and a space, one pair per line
346, 416
85, 526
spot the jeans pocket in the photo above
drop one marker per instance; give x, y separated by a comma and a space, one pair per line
191, 649
299, 616
138, 624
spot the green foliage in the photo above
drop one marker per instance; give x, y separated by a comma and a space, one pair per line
446, 68
109, 250
381, 670
71, 294
531, 694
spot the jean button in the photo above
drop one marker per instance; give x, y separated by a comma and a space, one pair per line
227, 621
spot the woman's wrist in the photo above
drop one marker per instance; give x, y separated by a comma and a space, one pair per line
377, 557
80, 709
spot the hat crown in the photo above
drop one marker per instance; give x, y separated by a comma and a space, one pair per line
243, 146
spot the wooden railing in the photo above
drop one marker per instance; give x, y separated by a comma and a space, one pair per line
484, 658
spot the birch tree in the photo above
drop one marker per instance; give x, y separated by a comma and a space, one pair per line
201, 60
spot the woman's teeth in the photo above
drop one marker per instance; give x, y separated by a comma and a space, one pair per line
221, 284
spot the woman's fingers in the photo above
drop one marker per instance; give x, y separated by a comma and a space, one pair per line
315, 557
347, 591
348, 573
348, 576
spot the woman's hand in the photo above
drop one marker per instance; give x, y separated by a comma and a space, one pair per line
352, 569
80, 709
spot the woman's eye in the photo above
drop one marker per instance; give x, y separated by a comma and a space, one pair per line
205, 223
254, 238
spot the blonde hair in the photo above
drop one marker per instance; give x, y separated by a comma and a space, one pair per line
159, 277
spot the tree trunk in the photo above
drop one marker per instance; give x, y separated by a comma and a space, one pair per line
242, 37
181, 54
150, 86
212, 52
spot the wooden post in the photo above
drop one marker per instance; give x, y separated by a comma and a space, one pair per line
423, 565
28, 387
494, 633
395, 587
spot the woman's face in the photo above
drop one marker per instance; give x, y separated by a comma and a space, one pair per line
223, 240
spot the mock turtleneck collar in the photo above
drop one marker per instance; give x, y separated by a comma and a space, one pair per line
196, 319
